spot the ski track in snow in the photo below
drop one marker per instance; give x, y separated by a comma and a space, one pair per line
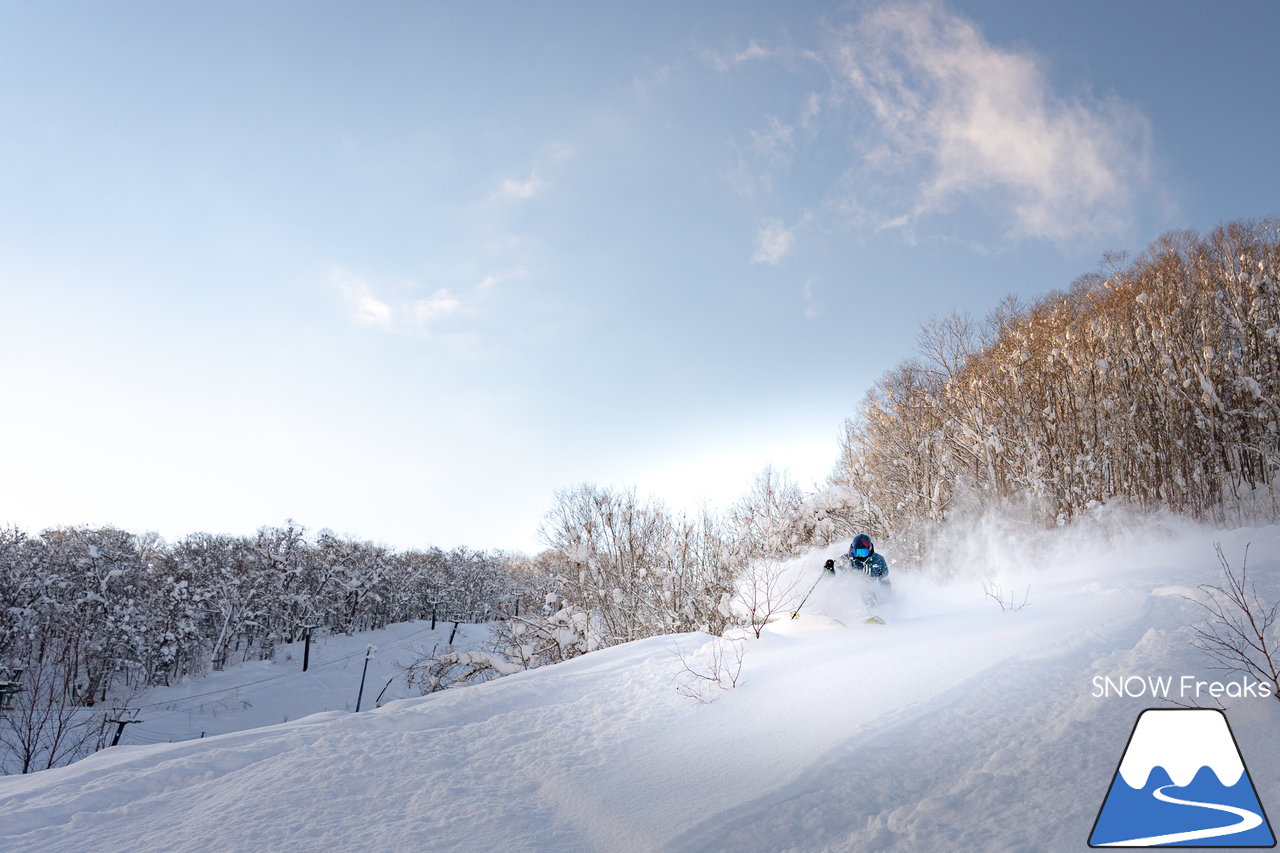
894, 794
954, 727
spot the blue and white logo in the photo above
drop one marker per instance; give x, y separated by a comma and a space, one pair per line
1181, 783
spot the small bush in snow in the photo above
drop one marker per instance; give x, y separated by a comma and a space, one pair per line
1007, 601
456, 669
1241, 634
563, 631
765, 589
706, 675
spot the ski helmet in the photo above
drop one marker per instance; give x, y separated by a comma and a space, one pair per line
861, 547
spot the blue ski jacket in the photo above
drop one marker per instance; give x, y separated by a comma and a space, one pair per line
874, 566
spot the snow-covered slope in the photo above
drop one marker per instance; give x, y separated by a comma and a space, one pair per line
262, 693
956, 726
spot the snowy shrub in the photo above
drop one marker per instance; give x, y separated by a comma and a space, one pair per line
43, 725
639, 571
456, 669
563, 631
1007, 601
833, 514
560, 632
764, 522
766, 587
706, 674
1241, 634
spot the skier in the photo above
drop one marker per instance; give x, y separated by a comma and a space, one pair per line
862, 557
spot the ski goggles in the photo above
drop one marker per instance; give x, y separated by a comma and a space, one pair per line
862, 552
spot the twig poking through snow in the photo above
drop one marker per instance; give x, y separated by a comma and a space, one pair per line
996, 594
1240, 636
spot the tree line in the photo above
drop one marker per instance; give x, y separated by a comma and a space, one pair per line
1156, 381
619, 568
88, 615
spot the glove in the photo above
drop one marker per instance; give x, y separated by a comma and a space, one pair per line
829, 565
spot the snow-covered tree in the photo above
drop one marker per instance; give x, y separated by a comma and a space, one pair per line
636, 569
1156, 380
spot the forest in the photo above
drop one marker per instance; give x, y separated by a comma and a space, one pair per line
91, 616
1155, 381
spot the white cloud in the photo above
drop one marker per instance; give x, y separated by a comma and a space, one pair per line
425, 314
774, 241
812, 307
811, 110
437, 306
492, 280
966, 121
777, 144
725, 60
366, 309
550, 157
559, 152
519, 190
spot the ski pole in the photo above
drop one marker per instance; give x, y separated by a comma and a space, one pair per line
795, 613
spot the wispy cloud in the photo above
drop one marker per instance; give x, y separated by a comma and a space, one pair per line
482, 252
771, 150
437, 306
938, 121
556, 153
810, 111
526, 189
366, 309
549, 158
426, 314
724, 60
775, 144
812, 307
962, 120
774, 241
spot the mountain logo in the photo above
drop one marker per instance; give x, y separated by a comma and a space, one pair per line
1181, 783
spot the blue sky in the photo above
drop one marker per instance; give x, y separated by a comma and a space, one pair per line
403, 270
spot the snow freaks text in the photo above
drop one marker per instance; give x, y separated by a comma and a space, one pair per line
1177, 687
